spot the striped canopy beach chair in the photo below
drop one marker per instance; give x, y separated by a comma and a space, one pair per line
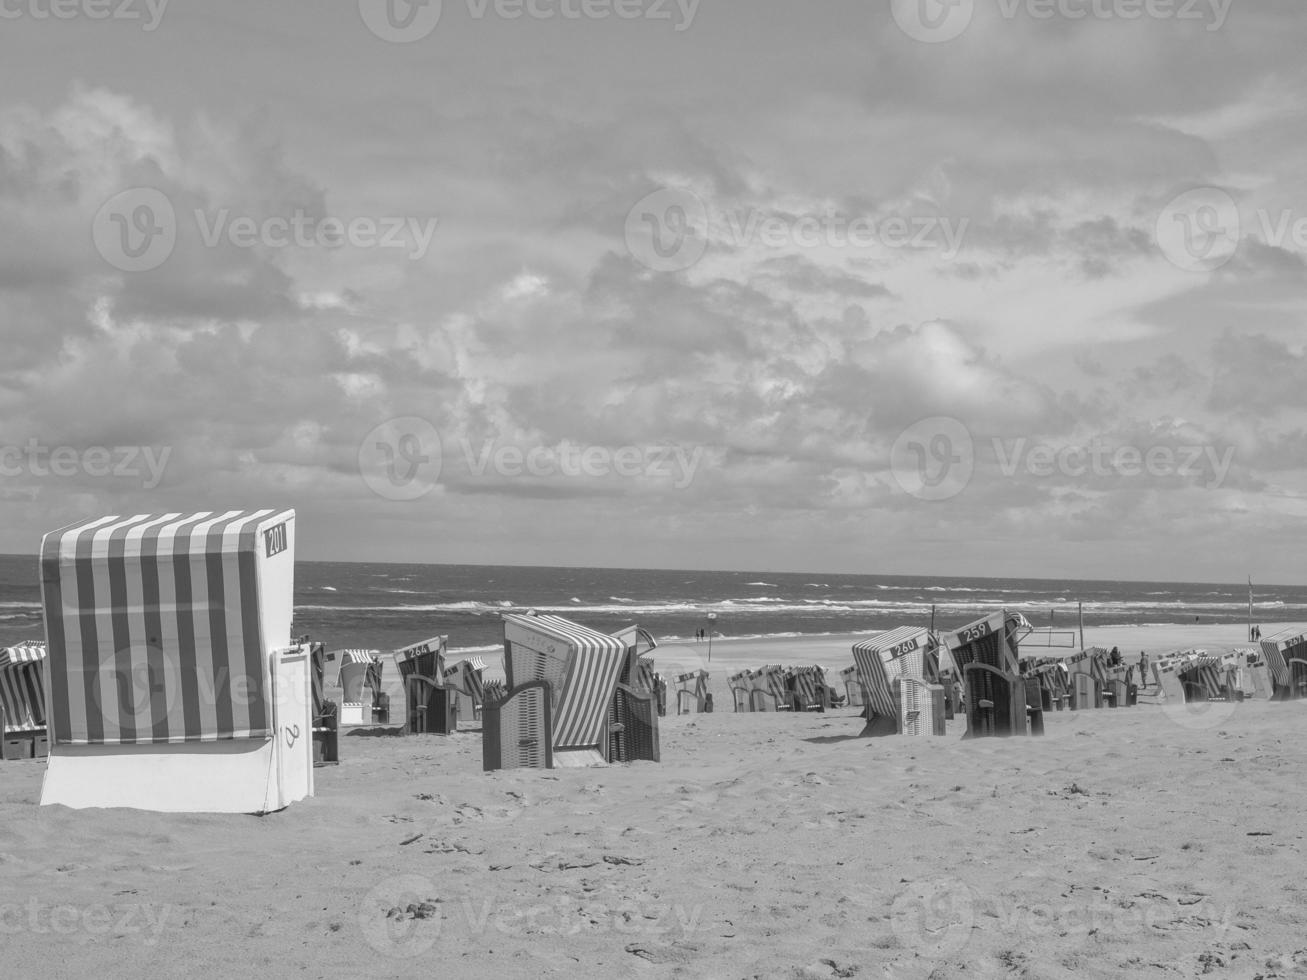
561, 679
358, 669
809, 690
1286, 657
854, 693
22, 701
989, 656
429, 705
466, 680
881, 707
172, 682
769, 689
692, 697
741, 689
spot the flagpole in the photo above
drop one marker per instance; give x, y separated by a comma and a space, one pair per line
1250, 608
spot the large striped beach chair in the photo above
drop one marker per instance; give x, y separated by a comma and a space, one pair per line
561, 679
1286, 656
358, 669
1255, 676
430, 707
22, 701
172, 682
989, 656
881, 707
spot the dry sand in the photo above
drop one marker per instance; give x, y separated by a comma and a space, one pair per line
1147, 841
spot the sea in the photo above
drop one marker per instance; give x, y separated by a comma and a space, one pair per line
387, 606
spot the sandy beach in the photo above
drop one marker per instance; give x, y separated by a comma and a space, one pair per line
1148, 841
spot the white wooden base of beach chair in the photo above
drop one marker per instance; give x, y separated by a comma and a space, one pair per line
241, 776
355, 713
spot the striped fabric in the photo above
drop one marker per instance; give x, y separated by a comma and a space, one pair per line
908, 651
22, 687
873, 674
809, 685
593, 663
154, 630
466, 676
645, 677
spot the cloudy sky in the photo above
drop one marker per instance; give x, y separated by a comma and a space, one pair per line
1005, 287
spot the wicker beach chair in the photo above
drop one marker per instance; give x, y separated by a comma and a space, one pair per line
326, 716
356, 673
22, 702
921, 707
572, 671
741, 690
854, 693
1286, 656
988, 653
881, 707
430, 706
1035, 701
996, 701
466, 680
809, 689
633, 713
769, 689
692, 696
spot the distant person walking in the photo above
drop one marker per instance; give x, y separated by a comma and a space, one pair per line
1143, 670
